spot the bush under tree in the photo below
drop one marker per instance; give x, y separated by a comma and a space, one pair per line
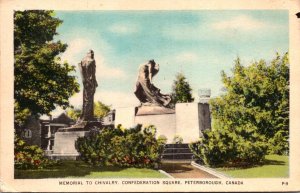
135, 147
30, 156
251, 118
237, 147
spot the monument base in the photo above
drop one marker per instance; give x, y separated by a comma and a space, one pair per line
64, 144
164, 123
153, 110
81, 126
187, 121
191, 120
162, 118
65, 138
62, 157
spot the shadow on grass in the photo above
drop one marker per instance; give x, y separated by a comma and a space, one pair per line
65, 169
273, 162
267, 161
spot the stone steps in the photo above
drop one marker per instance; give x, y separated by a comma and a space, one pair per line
177, 146
177, 152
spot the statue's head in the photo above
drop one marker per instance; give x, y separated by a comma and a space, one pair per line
90, 53
155, 67
152, 62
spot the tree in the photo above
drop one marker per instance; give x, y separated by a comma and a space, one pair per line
251, 118
42, 81
181, 90
73, 113
257, 97
100, 110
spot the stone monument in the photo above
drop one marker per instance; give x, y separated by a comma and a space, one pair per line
145, 90
154, 105
187, 120
153, 109
193, 118
64, 141
152, 100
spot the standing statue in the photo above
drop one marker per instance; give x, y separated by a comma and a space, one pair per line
87, 69
145, 91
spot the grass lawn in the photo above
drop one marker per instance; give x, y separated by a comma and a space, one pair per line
275, 166
78, 169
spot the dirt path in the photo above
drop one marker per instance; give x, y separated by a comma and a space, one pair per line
184, 170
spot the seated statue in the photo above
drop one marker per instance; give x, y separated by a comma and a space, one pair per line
145, 91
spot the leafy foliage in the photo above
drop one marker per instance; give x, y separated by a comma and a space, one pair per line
100, 110
134, 147
181, 90
228, 147
42, 81
177, 139
30, 157
251, 118
162, 139
257, 95
21, 115
73, 113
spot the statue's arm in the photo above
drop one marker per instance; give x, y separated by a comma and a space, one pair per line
94, 73
81, 71
150, 74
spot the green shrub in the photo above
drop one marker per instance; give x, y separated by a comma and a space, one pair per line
30, 157
239, 147
257, 94
162, 139
135, 147
96, 147
279, 144
177, 139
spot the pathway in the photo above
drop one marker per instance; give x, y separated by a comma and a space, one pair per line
184, 169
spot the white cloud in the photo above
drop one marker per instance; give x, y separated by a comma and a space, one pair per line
241, 22
103, 71
113, 98
123, 28
117, 98
75, 47
76, 100
184, 32
187, 57
78, 47
214, 29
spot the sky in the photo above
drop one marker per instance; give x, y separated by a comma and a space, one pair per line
200, 44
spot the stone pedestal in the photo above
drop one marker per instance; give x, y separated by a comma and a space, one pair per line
165, 124
162, 118
125, 116
153, 110
191, 120
65, 138
188, 120
204, 116
64, 144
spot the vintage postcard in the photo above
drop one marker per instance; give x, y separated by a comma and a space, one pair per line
150, 96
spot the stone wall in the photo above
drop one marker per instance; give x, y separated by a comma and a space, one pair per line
188, 121
165, 124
